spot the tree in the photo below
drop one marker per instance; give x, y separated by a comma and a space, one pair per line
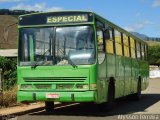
9, 71
154, 55
15, 12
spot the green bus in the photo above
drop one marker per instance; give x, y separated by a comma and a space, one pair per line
78, 56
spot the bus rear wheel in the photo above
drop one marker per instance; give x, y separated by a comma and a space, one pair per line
49, 106
137, 96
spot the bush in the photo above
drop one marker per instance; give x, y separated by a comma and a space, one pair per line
9, 97
154, 55
9, 72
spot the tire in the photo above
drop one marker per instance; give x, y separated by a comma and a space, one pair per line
107, 106
49, 106
138, 95
111, 93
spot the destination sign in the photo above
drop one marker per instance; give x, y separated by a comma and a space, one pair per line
55, 18
67, 19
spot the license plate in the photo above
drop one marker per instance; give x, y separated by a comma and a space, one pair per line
52, 95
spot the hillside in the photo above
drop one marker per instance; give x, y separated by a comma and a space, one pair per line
141, 36
153, 43
10, 41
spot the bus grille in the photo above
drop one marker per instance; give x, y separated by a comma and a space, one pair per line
54, 79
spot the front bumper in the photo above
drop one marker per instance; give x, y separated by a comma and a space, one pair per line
83, 96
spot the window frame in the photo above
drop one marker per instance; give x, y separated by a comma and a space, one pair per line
133, 47
111, 32
138, 51
102, 39
100, 25
129, 45
126, 45
120, 42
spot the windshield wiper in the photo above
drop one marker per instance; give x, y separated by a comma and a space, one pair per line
34, 65
72, 63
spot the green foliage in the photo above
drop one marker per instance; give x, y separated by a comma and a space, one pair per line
154, 55
9, 72
15, 12
152, 43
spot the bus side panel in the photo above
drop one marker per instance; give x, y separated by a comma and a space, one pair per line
119, 83
144, 68
127, 72
102, 83
134, 76
110, 67
141, 65
147, 74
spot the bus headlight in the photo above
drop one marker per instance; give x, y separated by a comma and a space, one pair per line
82, 86
26, 86
85, 86
93, 86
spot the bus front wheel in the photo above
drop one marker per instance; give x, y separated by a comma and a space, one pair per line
107, 106
49, 106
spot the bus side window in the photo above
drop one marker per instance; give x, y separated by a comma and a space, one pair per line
109, 41
118, 42
145, 51
138, 49
132, 47
100, 42
142, 51
126, 45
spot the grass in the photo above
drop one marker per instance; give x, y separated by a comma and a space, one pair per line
9, 97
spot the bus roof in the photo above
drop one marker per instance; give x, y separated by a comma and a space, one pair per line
61, 11
96, 16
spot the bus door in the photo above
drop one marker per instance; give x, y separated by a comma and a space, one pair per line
28, 44
36, 45
102, 87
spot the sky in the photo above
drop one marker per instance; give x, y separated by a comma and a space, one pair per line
142, 16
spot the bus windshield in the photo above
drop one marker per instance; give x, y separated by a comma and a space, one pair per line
57, 46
